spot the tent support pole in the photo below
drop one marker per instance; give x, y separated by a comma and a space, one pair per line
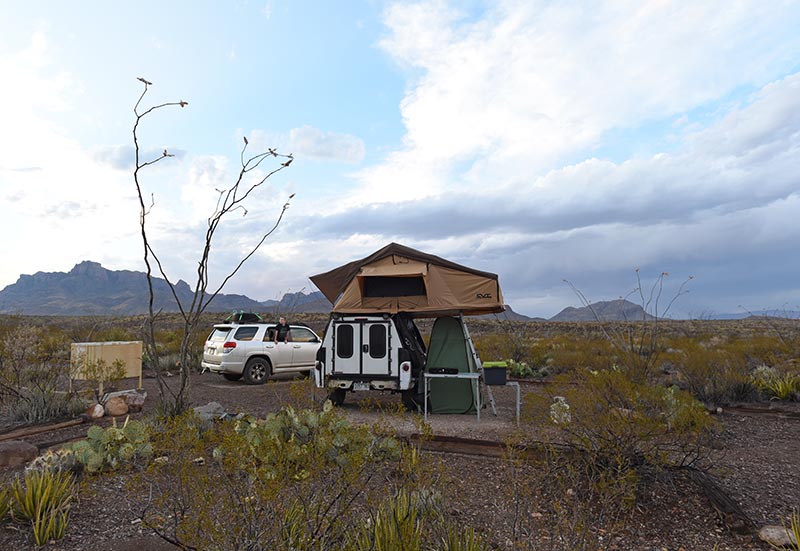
479, 365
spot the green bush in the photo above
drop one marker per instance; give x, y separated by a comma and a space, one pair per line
43, 499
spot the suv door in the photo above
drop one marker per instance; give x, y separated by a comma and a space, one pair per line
304, 347
280, 354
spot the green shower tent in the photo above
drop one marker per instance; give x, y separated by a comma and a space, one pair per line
451, 351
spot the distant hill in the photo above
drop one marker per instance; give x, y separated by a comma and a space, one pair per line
612, 310
90, 289
787, 314
312, 303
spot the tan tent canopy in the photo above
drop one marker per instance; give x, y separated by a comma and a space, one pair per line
401, 279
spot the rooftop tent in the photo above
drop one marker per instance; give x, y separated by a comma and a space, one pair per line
397, 278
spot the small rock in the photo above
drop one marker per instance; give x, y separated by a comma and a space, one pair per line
212, 410
95, 411
776, 536
135, 400
16, 452
116, 406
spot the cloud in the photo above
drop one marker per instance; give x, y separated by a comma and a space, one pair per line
525, 86
69, 209
122, 157
325, 146
22, 169
725, 196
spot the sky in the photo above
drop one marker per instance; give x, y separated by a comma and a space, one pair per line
542, 141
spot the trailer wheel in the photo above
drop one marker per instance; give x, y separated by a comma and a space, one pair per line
257, 371
337, 395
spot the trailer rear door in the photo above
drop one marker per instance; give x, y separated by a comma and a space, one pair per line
362, 347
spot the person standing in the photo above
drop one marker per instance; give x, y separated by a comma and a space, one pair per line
281, 331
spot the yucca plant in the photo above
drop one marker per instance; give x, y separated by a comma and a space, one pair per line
463, 540
783, 387
50, 525
43, 499
395, 526
5, 503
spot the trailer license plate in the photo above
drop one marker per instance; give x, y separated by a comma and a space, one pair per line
360, 386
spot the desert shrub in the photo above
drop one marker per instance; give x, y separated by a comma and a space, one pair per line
569, 352
711, 372
498, 346
115, 333
43, 499
623, 423
760, 350
604, 435
224, 485
99, 372
42, 405
33, 363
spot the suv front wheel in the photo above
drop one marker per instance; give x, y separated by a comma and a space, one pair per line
257, 371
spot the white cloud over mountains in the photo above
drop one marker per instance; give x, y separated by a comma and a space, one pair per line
506, 110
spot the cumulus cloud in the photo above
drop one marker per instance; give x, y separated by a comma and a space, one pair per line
528, 85
507, 107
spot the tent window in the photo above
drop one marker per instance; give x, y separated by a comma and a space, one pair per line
344, 341
392, 286
377, 340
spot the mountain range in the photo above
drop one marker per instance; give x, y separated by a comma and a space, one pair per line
90, 289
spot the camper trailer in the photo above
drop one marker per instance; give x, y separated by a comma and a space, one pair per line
371, 341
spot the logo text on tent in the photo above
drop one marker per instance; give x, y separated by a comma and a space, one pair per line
483, 295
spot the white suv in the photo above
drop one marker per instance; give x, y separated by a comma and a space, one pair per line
248, 350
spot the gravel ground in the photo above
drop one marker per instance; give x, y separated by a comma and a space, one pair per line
757, 463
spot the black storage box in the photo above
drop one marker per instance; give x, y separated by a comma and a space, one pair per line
494, 373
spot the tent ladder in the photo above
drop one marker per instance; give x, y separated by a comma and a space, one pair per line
478, 363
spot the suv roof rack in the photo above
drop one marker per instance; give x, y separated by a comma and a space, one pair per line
243, 317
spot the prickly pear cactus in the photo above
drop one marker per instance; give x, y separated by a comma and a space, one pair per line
114, 447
